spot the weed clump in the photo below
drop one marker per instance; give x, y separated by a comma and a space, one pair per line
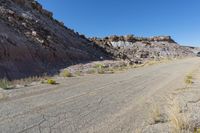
66, 73
177, 117
188, 79
51, 81
5, 84
101, 71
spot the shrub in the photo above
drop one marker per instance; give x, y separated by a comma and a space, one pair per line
78, 73
66, 73
101, 71
177, 118
51, 81
188, 79
5, 84
111, 70
99, 66
156, 114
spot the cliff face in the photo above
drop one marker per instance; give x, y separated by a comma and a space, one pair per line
32, 42
138, 49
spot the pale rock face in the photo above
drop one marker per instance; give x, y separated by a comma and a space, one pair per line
137, 49
121, 44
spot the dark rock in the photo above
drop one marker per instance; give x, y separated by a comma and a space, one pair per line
32, 43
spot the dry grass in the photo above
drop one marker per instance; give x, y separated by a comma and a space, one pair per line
154, 62
196, 130
176, 117
91, 71
29, 80
138, 130
66, 73
188, 79
5, 84
78, 73
101, 70
151, 62
99, 65
111, 70
155, 114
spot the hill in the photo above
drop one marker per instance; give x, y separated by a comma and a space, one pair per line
32, 42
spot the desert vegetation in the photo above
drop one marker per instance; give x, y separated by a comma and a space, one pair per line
5, 84
176, 108
188, 79
177, 117
155, 114
51, 82
66, 73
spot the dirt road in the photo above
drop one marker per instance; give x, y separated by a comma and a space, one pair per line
97, 103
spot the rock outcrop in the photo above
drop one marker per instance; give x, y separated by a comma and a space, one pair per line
32, 42
138, 49
132, 38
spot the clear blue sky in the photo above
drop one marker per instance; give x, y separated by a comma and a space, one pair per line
178, 18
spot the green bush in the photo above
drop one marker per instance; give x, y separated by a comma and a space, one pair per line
5, 84
51, 81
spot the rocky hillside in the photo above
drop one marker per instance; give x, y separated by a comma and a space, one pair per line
195, 50
32, 42
138, 49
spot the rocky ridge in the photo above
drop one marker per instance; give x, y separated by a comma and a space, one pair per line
138, 49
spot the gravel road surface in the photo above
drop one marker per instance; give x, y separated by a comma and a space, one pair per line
114, 103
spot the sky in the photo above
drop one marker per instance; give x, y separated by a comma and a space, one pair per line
99, 18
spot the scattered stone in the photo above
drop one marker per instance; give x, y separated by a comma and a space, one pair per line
34, 33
